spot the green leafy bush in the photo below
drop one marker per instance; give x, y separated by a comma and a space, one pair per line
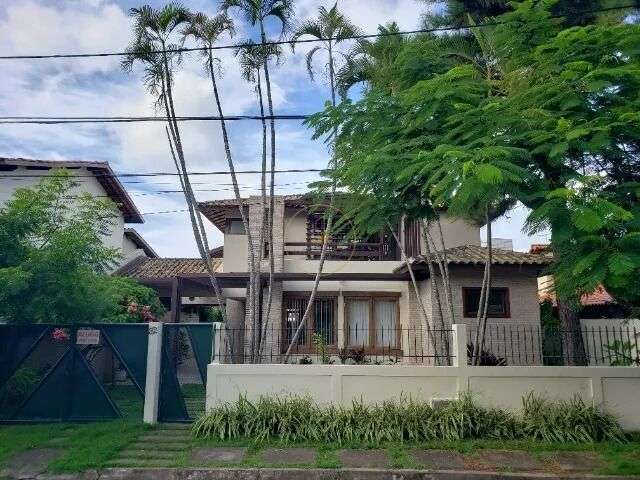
299, 419
570, 421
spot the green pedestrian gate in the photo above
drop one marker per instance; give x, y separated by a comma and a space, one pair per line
55, 373
186, 351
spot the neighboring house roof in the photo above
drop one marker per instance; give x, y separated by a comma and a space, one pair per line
476, 255
133, 235
102, 171
599, 297
218, 210
217, 252
154, 268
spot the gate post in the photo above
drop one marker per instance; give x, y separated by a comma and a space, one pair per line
152, 383
217, 351
459, 345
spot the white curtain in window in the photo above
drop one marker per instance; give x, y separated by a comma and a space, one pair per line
385, 312
358, 322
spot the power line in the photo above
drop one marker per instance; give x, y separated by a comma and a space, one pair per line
289, 42
202, 118
167, 174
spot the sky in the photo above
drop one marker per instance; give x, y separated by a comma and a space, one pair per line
99, 87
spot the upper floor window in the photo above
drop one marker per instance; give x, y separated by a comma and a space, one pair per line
498, 302
235, 226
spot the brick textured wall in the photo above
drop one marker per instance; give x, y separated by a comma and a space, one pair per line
255, 225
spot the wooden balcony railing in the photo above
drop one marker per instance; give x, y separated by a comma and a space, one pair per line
341, 250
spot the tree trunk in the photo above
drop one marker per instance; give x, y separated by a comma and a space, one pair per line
253, 271
416, 291
572, 341
435, 290
481, 319
327, 232
180, 163
272, 125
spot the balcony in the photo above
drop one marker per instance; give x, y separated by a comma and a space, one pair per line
358, 251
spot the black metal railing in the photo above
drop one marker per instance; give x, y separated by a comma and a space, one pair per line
350, 346
504, 344
526, 344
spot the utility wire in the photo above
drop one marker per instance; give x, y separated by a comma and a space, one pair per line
202, 118
162, 174
290, 42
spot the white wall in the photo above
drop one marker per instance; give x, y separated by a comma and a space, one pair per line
613, 388
235, 254
10, 181
456, 232
602, 332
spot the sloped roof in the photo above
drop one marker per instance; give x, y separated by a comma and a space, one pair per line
217, 252
217, 210
101, 170
476, 255
133, 235
154, 268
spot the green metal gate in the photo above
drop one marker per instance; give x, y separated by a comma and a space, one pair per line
186, 351
55, 373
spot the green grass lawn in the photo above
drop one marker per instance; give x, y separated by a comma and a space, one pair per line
91, 446
620, 459
86, 446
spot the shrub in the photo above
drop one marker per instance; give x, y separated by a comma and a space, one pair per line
296, 419
487, 359
570, 421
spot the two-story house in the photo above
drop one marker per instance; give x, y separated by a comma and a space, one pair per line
96, 178
366, 299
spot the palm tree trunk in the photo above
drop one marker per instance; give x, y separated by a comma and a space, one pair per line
485, 292
236, 190
327, 232
434, 288
416, 290
196, 220
272, 126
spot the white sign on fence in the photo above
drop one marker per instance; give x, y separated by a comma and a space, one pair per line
88, 336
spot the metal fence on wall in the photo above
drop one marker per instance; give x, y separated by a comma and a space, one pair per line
504, 344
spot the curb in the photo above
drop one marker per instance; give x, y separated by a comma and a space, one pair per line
310, 474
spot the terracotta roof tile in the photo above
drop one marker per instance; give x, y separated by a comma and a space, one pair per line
143, 267
476, 255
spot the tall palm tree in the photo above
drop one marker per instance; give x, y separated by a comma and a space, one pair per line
207, 31
252, 57
372, 61
331, 28
256, 12
155, 46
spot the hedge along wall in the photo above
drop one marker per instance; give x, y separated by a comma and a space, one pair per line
615, 389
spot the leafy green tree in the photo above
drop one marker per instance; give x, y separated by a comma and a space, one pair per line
54, 263
561, 104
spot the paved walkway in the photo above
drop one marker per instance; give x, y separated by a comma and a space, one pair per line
170, 445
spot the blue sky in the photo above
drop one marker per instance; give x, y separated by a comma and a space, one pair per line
98, 87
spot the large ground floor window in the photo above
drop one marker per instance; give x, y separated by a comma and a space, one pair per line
321, 322
372, 321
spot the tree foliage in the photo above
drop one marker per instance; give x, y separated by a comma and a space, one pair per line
527, 111
54, 261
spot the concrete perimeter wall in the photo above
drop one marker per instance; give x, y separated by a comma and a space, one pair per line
615, 389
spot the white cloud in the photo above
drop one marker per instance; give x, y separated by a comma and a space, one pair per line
97, 87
